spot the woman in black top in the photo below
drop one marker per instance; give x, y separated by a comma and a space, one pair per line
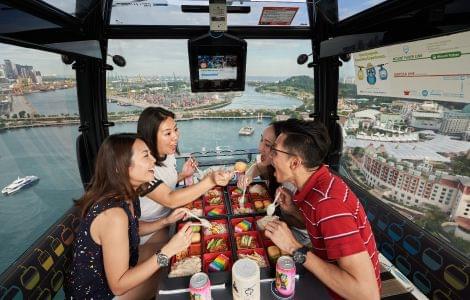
105, 252
263, 167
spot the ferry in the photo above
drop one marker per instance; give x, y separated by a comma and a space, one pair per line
19, 184
246, 130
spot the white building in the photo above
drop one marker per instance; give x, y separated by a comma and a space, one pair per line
456, 122
461, 212
426, 120
410, 184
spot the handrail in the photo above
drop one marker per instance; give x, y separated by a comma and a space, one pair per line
222, 157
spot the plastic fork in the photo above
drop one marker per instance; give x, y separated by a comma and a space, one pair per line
241, 200
204, 222
199, 171
272, 207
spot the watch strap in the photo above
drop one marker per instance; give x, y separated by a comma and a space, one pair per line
162, 259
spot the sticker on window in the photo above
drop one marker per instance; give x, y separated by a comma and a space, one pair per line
277, 15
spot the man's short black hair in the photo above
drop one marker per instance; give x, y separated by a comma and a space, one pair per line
307, 139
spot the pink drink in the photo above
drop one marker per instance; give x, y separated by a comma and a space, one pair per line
285, 276
200, 287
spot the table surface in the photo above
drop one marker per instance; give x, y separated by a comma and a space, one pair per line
306, 287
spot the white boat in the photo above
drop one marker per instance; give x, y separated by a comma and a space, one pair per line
246, 130
19, 184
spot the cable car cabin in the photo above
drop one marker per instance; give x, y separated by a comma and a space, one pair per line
389, 80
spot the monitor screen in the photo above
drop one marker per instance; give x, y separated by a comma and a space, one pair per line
217, 67
217, 64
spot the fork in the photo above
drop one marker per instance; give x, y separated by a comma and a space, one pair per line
199, 171
272, 207
204, 222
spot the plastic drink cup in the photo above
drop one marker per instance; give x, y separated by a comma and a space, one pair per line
285, 276
200, 287
246, 280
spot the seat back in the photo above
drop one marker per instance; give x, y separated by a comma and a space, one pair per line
439, 271
39, 273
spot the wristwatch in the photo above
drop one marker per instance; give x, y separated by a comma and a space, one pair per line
162, 259
300, 255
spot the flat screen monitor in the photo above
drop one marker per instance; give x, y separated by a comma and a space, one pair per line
217, 64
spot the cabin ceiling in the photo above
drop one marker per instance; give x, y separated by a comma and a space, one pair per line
46, 24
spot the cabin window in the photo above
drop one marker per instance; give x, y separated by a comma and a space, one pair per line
38, 128
276, 88
410, 133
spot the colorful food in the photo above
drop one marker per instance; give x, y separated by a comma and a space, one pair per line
273, 253
236, 193
220, 263
216, 228
246, 242
238, 211
182, 255
195, 238
217, 211
259, 259
243, 226
214, 201
240, 166
261, 205
258, 205
214, 197
213, 193
259, 190
261, 223
185, 267
216, 245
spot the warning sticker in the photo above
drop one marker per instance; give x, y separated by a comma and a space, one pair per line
277, 15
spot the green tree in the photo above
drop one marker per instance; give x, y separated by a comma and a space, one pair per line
22, 114
358, 151
461, 165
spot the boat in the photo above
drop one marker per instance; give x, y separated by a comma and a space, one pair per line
246, 130
19, 184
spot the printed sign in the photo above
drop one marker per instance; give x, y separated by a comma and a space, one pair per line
433, 69
277, 15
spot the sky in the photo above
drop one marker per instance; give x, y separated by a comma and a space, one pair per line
275, 58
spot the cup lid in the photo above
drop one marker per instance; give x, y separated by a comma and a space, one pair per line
245, 268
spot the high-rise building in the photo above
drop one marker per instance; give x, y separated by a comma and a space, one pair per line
38, 77
456, 122
9, 70
2, 72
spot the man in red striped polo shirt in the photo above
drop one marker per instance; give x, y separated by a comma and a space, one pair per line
344, 255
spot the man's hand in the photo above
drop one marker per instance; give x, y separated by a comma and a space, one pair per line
285, 201
281, 236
